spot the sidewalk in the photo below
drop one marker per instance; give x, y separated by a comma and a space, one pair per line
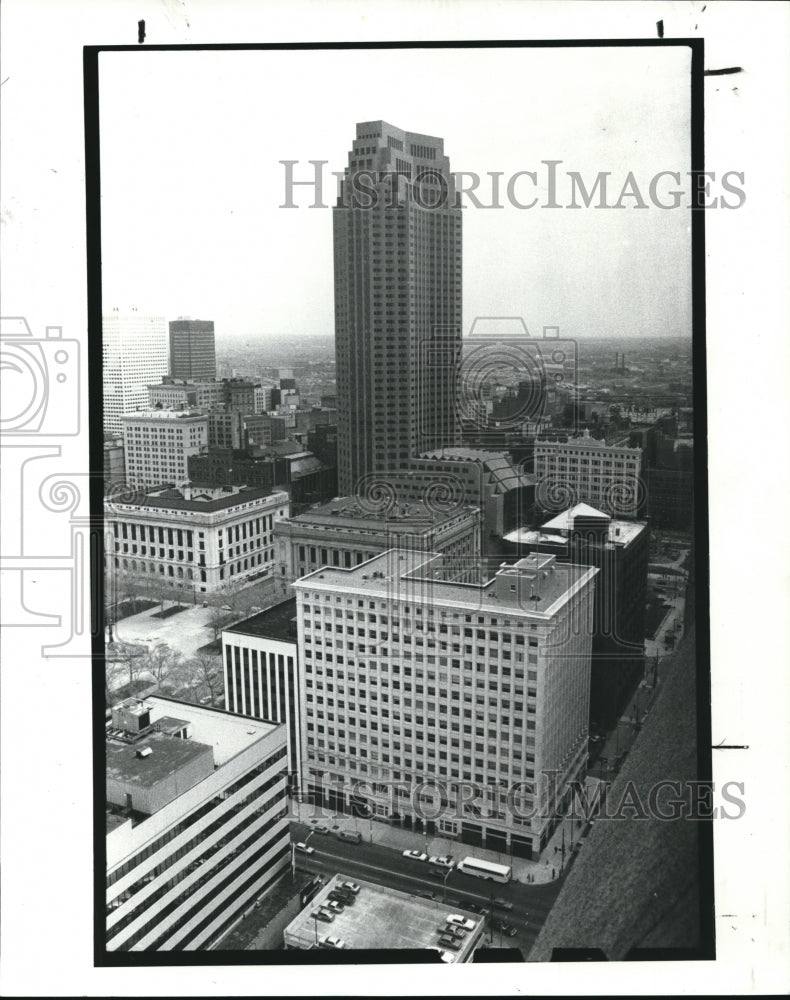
545, 869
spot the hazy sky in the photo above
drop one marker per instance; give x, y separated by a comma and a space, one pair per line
192, 183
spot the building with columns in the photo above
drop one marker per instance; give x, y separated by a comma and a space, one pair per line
194, 537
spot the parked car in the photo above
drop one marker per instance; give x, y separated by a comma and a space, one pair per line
453, 930
321, 914
335, 906
320, 828
415, 855
333, 942
449, 942
474, 907
304, 848
351, 886
346, 898
442, 860
352, 836
459, 921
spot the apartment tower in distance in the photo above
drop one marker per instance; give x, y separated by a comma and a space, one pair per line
192, 352
134, 354
397, 246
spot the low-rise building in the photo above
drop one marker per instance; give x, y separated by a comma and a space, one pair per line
196, 822
347, 531
195, 536
261, 663
478, 477
620, 550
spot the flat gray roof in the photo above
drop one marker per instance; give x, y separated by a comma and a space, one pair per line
382, 917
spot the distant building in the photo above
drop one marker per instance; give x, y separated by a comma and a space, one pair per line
586, 470
196, 822
237, 430
477, 477
192, 351
322, 442
620, 550
261, 663
196, 537
134, 354
284, 464
158, 443
114, 466
345, 533
227, 394
424, 673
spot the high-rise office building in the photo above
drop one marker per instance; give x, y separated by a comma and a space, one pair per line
192, 353
397, 247
134, 354
424, 674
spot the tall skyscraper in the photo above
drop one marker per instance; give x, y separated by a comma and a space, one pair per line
192, 352
134, 355
397, 245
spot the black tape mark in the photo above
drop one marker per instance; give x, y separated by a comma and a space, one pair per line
722, 72
730, 746
660, 28
140, 32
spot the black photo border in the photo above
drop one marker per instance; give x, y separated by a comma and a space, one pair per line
105, 959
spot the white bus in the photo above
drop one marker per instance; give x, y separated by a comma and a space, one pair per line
485, 869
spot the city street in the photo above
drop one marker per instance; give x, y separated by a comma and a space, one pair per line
387, 866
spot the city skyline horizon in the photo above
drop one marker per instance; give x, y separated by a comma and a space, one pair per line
242, 260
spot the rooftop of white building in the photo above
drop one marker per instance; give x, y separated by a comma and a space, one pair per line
584, 441
197, 497
155, 414
536, 586
351, 512
556, 529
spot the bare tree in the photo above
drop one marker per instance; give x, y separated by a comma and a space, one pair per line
123, 656
162, 661
202, 672
218, 619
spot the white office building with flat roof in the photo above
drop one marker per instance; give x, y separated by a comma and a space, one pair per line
135, 353
196, 822
586, 470
158, 443
442, 691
